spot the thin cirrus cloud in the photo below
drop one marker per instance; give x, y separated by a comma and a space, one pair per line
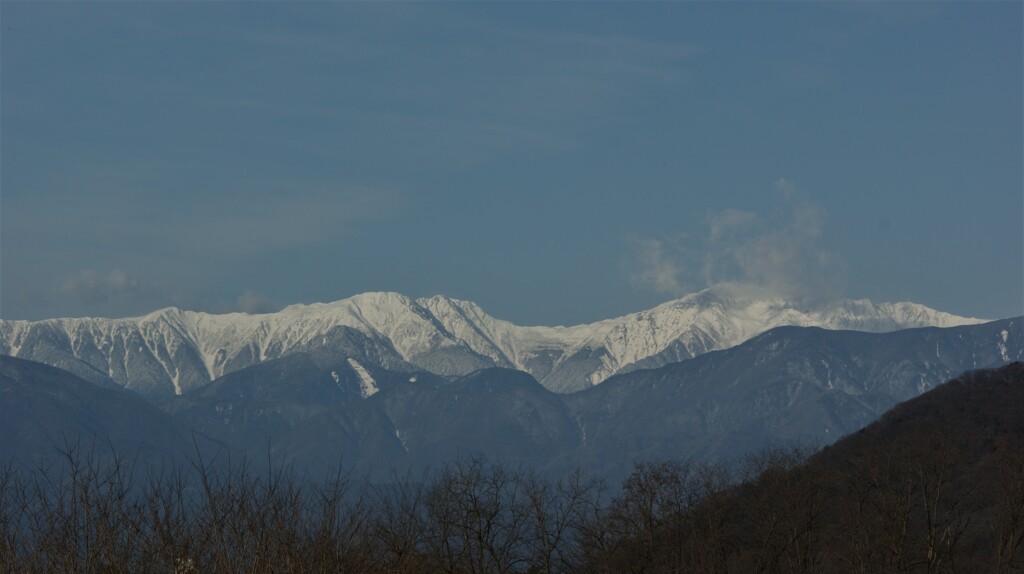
98, 291
135, 246
276, 137
200, 226
782, 253
246, 226
515, 90
92, 287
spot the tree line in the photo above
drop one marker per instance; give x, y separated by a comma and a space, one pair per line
911, 494
775, 512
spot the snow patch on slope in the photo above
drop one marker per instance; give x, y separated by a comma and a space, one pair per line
367, 386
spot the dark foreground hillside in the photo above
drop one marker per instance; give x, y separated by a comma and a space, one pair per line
936, 485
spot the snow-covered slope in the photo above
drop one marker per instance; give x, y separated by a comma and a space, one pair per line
171, 351
571, 358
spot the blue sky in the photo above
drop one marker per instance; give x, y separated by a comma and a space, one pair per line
554, 162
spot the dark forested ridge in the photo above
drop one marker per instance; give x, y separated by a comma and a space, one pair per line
935, 485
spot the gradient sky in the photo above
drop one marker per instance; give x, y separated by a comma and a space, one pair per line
555, 162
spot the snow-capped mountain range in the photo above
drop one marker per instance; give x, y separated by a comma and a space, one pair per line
171, 351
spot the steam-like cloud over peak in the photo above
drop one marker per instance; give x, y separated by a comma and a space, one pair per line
254, 302
781, 252
656, 267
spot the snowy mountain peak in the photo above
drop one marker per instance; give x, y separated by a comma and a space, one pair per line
171, 350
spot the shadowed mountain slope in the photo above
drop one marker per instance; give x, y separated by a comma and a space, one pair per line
791, 383
44, 410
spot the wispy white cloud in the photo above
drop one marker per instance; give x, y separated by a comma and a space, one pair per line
786, 187
655, 267
728, 223
782, 252
91, 287
254, 302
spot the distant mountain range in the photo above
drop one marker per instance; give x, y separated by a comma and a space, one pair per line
170, 352
318, 411
789, 384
